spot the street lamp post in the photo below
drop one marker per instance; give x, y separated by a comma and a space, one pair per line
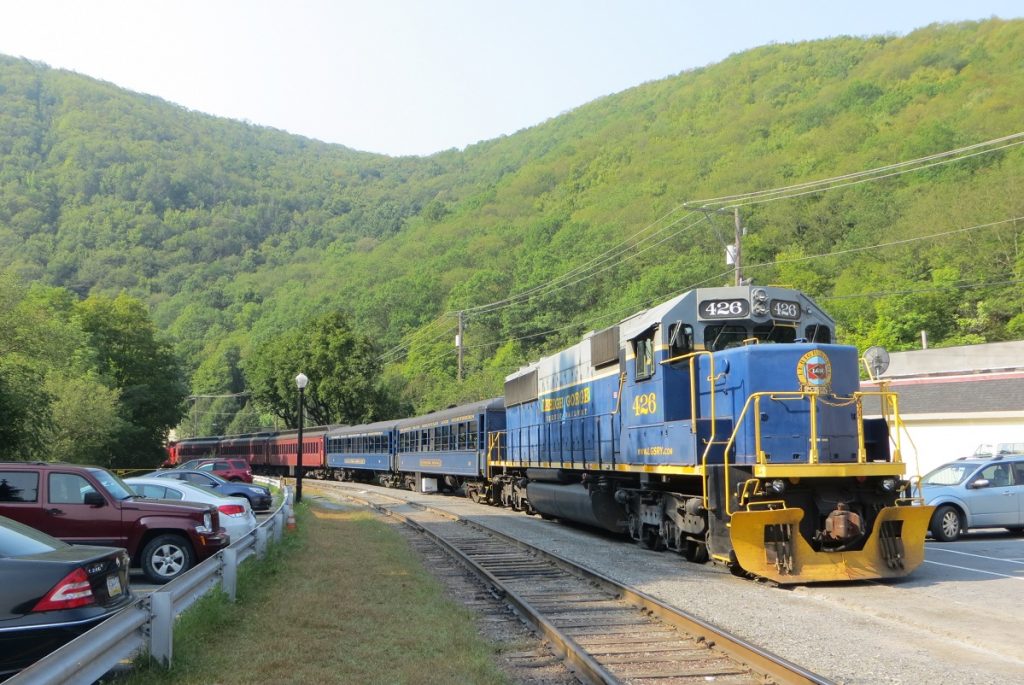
300, 381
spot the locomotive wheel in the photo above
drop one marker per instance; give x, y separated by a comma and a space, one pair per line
695, 552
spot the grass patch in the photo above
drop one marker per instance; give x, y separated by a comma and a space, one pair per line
342, 599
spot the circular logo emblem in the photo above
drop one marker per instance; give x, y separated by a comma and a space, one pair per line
814, 371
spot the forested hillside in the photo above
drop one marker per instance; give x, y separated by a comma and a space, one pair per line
234, 234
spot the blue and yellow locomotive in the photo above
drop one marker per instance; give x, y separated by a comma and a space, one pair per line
722, 424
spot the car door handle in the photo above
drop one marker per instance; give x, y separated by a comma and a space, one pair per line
55, 512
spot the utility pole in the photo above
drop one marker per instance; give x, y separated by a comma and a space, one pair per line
458, 344
739, 235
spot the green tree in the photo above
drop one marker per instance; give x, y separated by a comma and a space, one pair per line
343, 368
144, 370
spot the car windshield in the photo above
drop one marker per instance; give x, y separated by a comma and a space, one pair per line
114, 485
17, 540
950, 474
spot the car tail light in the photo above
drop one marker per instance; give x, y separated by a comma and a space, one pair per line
73, 591
232, 509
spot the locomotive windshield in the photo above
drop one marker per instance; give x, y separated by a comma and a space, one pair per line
723, 336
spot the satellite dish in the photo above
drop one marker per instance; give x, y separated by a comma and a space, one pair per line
877, 361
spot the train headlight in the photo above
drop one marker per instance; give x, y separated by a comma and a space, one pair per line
760, 295
888, 485
760, 309
777, 486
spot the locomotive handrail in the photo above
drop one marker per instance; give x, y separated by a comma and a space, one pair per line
493, 443
887, 398
692, 357
754, 399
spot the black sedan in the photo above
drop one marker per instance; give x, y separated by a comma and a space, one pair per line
53, 592
259, 497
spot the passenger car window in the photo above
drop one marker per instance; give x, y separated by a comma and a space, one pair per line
1018, 472
19, 486
68, 488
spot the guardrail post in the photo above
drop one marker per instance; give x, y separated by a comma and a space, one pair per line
278, 525
161, 630
229, 573
261, 543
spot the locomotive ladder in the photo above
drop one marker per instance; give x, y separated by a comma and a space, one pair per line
605, 632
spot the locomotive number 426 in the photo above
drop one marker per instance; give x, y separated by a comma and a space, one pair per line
645, 404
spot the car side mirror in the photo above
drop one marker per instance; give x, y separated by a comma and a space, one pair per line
980, 483
93, 499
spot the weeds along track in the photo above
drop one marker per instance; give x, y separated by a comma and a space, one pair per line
604, 631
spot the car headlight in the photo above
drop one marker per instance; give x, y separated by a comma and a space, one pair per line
207, 525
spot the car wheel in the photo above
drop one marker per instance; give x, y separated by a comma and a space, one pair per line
947, 524
166, 557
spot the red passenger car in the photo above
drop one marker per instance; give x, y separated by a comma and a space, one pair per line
283, 449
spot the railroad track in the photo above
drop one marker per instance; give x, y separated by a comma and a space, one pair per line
604, 631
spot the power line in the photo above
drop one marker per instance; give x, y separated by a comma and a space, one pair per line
865, 248
590, 266
915, 291
863, 176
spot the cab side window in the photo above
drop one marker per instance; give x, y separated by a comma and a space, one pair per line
643, 347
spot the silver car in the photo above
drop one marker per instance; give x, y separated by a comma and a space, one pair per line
976, 493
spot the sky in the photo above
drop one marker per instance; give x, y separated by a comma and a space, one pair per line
413, 77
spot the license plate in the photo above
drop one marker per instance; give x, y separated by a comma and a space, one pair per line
113, 586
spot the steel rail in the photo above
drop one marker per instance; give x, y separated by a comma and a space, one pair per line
762, 661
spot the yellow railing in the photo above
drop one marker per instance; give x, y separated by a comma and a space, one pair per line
888, 399
494, 445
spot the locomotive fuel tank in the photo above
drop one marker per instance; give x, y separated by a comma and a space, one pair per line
590, 504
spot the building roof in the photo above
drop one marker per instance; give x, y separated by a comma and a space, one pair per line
964, 359
962, 394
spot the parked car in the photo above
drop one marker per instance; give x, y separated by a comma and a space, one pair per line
53, 592
227, 468
89, 505
235, 512
975, 493
259, 497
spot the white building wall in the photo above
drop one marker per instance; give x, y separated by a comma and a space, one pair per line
941, 438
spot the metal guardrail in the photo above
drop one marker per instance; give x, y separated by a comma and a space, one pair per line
148, 623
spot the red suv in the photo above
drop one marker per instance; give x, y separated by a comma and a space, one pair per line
228, 469
91, 506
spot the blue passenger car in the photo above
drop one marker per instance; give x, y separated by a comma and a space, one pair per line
449, 446
361, 452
